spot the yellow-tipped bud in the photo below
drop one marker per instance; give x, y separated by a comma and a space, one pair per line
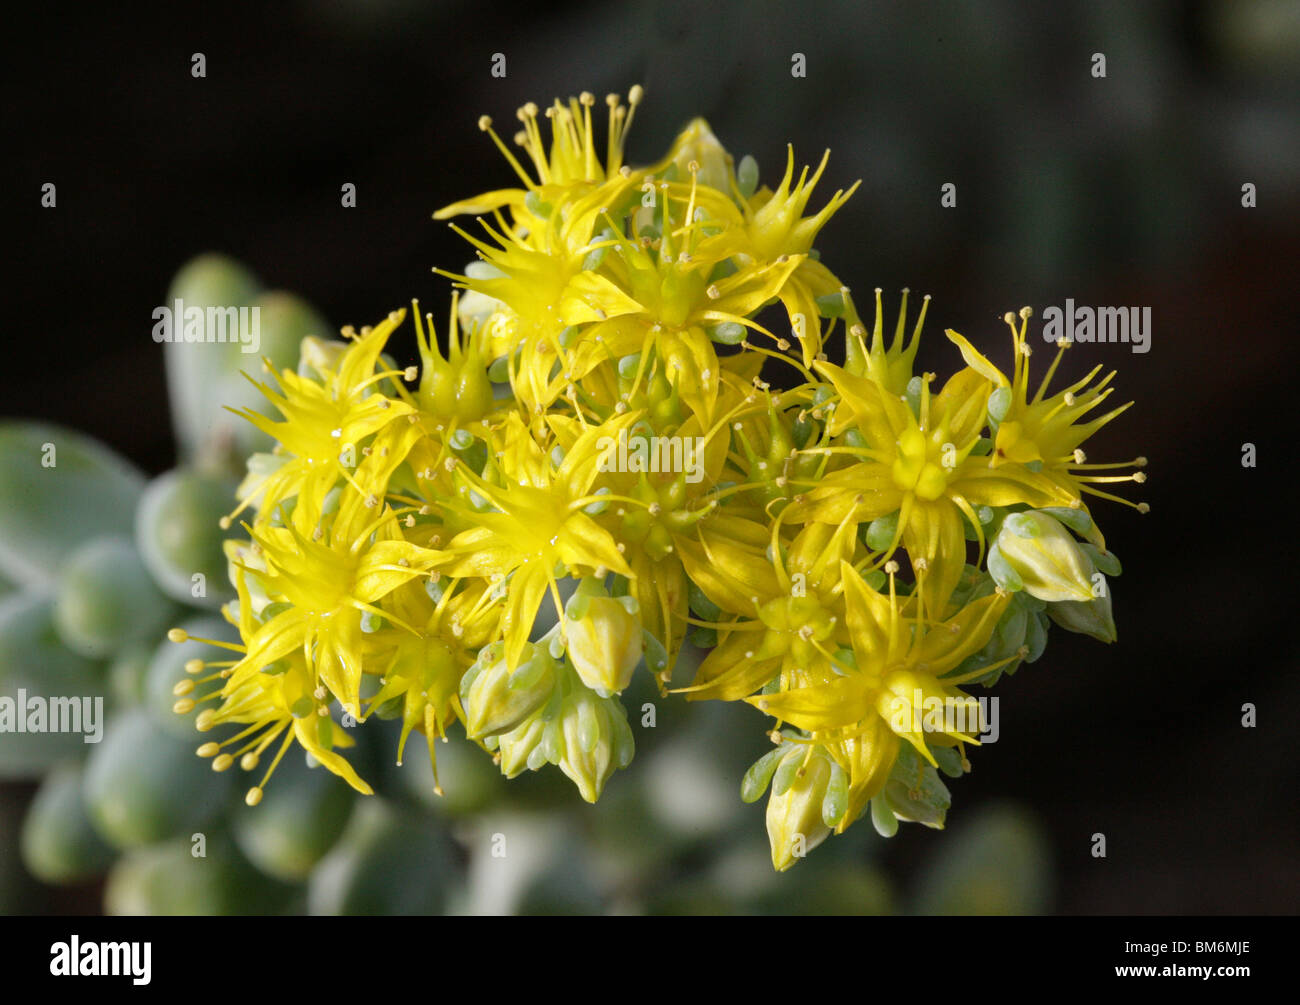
794, 813
500, 697
595, 740
604, 642
1035, 552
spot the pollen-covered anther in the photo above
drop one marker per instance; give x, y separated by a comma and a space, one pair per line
1139, 476
1079, 456
209, 749
1026, 313
891, 567
922, 564
249, 761
1143, 507
1068, 398
254, 795
372, 501
713, 292
1141, 462
193, 666
484, 123
177, 635
222, 762
204, 721
183, 687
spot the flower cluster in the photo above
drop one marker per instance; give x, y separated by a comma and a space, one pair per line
595, 475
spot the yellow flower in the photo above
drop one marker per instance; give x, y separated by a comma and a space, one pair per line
324, 419
329, 582
899, 671
534, 525
1048, 431
282, 701
921, 465
792, 607
573, 160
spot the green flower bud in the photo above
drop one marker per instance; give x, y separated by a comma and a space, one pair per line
594, 739
518, 745
1044, 557
501, 696
795, 823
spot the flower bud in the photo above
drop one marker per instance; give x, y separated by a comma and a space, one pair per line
500, 697
1034, 552
594, 738
603, 637
794, 809
521, 748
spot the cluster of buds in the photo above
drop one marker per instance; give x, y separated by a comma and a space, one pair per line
635, 442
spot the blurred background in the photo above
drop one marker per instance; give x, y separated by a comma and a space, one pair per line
1123, 190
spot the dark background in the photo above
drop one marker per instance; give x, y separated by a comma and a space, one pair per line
1117, 191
